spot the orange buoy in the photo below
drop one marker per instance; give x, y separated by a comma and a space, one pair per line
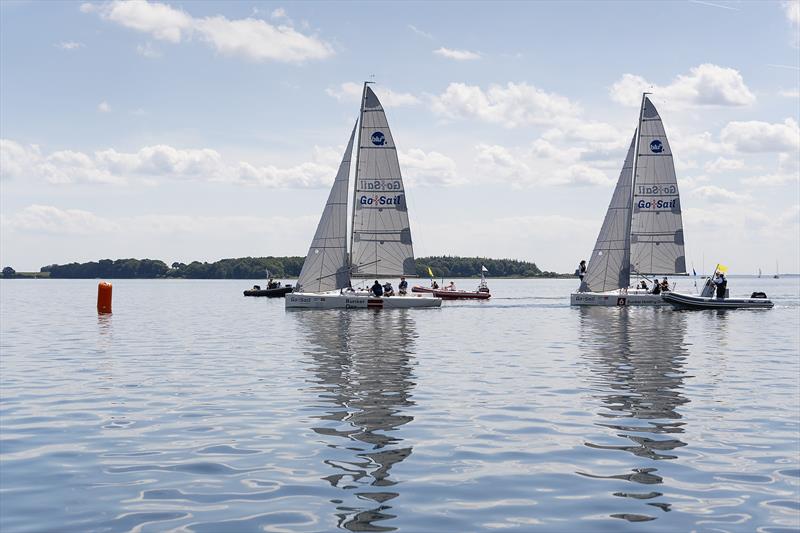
104, 297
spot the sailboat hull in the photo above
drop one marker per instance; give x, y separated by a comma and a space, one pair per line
336, 300
616, 298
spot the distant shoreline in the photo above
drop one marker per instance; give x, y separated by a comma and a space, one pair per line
286, 267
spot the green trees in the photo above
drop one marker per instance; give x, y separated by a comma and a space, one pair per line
462, 267
279, 267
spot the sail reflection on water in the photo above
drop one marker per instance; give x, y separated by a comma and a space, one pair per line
638, 362
361, 368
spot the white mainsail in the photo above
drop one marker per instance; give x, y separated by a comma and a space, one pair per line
609, 266
657, 243
326, 266
381, 242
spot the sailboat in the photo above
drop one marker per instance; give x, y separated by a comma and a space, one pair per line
777, 272
642, 233
380, 240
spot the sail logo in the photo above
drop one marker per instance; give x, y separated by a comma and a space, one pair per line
657, 204
381, 200
378, 138
656, 146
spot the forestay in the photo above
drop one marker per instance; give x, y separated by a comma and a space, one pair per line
609, 266
326, 266
656, 225
381, 245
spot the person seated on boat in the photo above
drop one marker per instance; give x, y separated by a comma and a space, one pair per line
403, 287
387, 289
664, 285
643, 285
450, 287
656, 287
271, 284
377, 289
434, 285
721, 284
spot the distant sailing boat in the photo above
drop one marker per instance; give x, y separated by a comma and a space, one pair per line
643, 230
380, 242
777, 272
759, 272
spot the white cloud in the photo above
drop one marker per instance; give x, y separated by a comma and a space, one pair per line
420, 32
251, 38
543, 163
159, 162
717, 194
104, 107
428, 169
458, 55
757, 136
705, 85
722, 164
351, 92
792, 11
279, 13
147, 50
49, 219
512, 105
69, 45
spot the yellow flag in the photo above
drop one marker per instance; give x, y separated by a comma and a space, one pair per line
722, 268
430, 272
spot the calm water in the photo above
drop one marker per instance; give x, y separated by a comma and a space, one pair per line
192, 408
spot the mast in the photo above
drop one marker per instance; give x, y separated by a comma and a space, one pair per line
358, 165
633, 179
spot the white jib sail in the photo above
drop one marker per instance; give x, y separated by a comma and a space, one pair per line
609, 266
381, 245
326, 266
656, 224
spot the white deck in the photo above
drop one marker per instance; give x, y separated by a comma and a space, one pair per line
618, 298
337, 300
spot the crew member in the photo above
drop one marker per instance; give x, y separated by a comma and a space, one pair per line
721, 284
377, 289
403, 287
387, 289
664, 285
581, 269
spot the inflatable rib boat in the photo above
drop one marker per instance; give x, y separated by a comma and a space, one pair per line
688, 301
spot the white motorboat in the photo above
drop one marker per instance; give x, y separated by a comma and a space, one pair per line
642, 232
380, 240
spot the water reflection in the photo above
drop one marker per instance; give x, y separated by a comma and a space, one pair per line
637, 357
362, 372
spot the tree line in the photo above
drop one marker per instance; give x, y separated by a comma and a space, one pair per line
280, 267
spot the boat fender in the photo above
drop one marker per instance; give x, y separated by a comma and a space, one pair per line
758, 295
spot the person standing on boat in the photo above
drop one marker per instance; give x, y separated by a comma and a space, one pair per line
377, 288
581, 272
721, 284
403, 287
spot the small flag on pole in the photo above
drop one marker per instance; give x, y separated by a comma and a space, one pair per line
722, 268
484, 269
430, 272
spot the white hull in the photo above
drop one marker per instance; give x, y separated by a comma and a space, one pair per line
337, 300
618, 298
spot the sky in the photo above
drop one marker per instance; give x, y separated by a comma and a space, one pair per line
203, 130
